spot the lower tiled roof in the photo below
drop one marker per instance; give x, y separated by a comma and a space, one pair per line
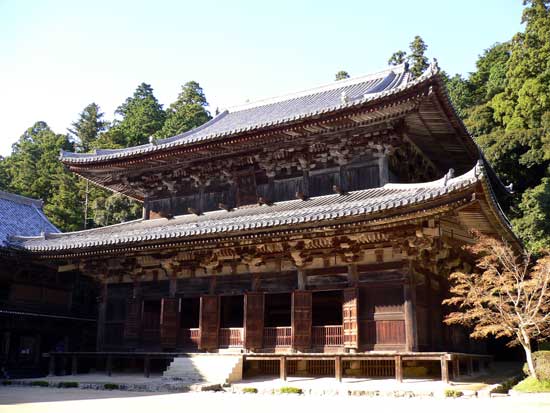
20, 215
255, 217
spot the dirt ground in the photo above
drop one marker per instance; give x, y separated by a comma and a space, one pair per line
15, 399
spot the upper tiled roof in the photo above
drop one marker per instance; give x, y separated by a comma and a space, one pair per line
326, 209
20, 215
335, 96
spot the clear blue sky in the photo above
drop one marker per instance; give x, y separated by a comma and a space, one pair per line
58, 56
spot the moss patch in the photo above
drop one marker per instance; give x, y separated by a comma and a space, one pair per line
532, 385
290, 390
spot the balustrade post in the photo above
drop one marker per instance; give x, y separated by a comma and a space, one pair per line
338, 367
398, 369
444, 369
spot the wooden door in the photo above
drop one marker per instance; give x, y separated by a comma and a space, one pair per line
349, 317
246, 188
209, 322
169, 322
301, 320
132, 321
253, 320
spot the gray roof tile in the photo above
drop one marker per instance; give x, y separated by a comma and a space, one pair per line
23, 216
276, 111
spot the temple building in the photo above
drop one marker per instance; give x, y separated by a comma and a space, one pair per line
41, 310
313, 231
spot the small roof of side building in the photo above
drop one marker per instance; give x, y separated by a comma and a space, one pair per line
22, 216
395, 203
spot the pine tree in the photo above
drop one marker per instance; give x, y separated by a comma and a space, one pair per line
341, 75
88, 127
418, 62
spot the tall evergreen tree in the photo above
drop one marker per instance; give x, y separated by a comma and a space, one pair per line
187, 112
418, 62
142, 116
88, 127
397, 58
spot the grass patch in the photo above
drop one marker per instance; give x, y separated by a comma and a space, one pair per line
532, 385
6, 382
453, 393
111, 386
505, 386
250, 390
40, 383
67, 384
290, 390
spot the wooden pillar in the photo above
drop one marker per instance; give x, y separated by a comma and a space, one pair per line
429, 311
383, 170
132, 322
147, 366
51, 369
338, 368
343, 178
456, 367
109, 365
470, 366
173, 286
305, 181
74, 365
146, 210
63, 371
409, 296
282, 368
398, 369
270, 195
302, 279
444, 369
101, 317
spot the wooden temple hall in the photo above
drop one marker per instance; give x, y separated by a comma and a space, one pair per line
313, 233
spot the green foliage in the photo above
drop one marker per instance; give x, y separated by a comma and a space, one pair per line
40, 383
533, 226
507, 385
187, 112
142, 117
250, 390
111, 386
541, 360
453, 393
290, 390
7, 382
88, 127
417, 60
532, 385
112, 209
67, 384
341, 75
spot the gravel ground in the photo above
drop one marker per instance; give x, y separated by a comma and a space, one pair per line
39, 400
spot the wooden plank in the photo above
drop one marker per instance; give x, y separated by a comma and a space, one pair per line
254, 320
169, 322
301, 320
349, 318
411, 336
131, 323
209, 322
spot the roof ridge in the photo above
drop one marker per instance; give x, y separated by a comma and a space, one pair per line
337, 84
20, 199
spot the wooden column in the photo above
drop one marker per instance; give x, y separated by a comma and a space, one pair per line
147, 366
470, 366
429, 310
109, 365
456, 367
282, 368
301, 320
270, 185
444, 369
338, 368
305, 181
51, 369
101, 316
398, 369
253, 320
342, 178
74, 365
383, 170
302, 279
409, 296
133, 317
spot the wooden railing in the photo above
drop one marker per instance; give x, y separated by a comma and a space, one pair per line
277, 337
327, 336
231, 337
190, 337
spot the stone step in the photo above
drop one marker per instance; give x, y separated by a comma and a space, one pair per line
206, 368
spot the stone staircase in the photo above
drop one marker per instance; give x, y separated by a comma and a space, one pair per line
206, 368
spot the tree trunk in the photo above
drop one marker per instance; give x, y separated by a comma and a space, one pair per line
526, 344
